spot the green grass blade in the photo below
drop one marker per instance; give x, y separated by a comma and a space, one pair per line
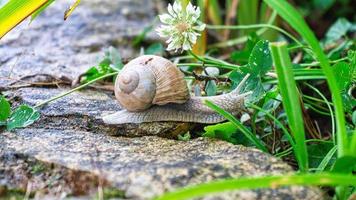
328, 104
279, 123
15, 11
291, 15
321, 179
247, 13
215, 12
236, 122
326, 159
291, 104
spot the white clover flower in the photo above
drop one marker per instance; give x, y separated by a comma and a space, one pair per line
182, 27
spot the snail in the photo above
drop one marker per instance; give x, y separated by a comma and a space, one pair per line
151, 88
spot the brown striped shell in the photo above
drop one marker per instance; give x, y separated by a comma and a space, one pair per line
150, 80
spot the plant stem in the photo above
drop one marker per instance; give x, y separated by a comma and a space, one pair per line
313, 64
330, 110
244, 38
218, 63
74, 89
238, 27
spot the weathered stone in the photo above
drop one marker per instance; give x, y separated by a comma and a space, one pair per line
147, 166
83, 110
60, 48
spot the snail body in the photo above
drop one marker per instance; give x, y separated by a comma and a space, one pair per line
152, 88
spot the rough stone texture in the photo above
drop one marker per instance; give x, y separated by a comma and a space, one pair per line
146, 166
84, 110
67, 48
70, 152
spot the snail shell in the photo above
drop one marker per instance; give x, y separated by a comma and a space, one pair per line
150, 80
151, 88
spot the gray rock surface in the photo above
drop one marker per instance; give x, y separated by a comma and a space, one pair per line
69, 153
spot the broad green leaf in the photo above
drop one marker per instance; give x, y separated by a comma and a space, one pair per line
260, 60
243, 56
22, 117
97, 71
155, 49
343, 73
253, 84
345, 165
5, 109
16, 11
223, 131
338, 30
354, 117
211, 88
110, 63
41, 9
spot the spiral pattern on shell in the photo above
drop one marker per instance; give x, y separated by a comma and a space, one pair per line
150, 80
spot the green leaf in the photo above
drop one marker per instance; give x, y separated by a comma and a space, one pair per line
22, 117
343, 73
354, 117
344, 164
184, 137
155, 49
253, 84
211, 88
243, 56
317, 152
338, 30
223, 131
246, 132
348, 101
110, 63
260, 61
5, 109
339, 51
114, 56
